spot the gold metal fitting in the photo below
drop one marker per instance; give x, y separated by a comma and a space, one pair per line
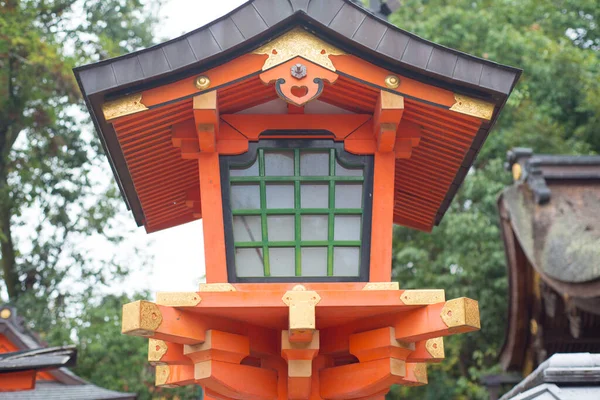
516, 171
392, 81
202, 82
5, 314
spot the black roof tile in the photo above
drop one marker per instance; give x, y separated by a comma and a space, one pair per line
442, 62
249, 21
203, 44
348, 20
468, 70
324, 11
154, 62
300, 5
417, 54
127, 69
179, 54
273, 11
226, 33
370, 32
393, 44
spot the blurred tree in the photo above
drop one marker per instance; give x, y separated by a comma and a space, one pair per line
58, 204
555, 108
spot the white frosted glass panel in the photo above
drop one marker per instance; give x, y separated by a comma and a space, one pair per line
280, 196
346, 261
279, 164
281, 228
245, 197
314, 195
247, 229
348, 195
282, 261
314, 164
314, 227
346, 227
340, 170
249, 262
251, 170
314, 261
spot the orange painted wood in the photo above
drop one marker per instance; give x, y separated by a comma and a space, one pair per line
377, 344
17, 381
206, 118
214, 234
422, 355
180, 375
289, 94
230, 141
220, 346
383, 212
361, 141
386, 118
173, 356
356, 68
426, 323
252, 125
358, 380
237, 381
234, 70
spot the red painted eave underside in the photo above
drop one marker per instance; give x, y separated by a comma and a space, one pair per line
162, 178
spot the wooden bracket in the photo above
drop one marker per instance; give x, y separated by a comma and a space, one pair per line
192, 201
386, 119
206, 119
219, 346
299, 357
377, 344
166, 353
430, 350
301, 304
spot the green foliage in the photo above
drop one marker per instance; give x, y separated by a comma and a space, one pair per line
553, 109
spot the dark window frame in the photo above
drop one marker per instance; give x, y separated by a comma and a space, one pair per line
364, 161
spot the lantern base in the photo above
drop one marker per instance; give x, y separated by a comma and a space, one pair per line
291, 341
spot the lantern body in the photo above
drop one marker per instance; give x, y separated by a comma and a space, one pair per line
299, 143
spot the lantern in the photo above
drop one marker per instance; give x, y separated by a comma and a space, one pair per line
299, 133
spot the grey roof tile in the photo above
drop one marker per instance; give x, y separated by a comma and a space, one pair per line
98, 79
58, 391
154, 62
226, 33
300, 5
468, 70
393, 44
417, 53
497, 79
249, 21
203, 44
370, 32
347, 20
179, 53
273, 11
324, 10
128, 69
442, 62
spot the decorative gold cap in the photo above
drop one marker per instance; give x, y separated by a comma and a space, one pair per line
124, 106
392, 81
202, 82
516, 171
156, 350
178, 299
461, 312
5, 313
382, 286
473, 107
435, 347
141, 318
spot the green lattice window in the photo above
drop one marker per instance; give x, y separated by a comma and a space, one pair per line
297, 210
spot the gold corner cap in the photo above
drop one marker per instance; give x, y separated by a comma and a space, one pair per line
162, 374
141, 318
397, 367
422, 297
156, 350
203, 370
123, 106
420, 371
300, 368
435, 347
461, 312
178, 299
473, 107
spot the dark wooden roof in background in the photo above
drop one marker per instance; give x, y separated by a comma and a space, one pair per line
343, 23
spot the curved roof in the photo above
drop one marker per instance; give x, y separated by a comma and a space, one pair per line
343, 23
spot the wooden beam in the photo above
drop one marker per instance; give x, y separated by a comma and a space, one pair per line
386, 119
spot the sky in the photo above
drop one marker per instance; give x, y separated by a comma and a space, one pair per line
178, 253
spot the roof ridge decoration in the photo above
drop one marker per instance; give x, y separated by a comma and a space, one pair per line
298, 43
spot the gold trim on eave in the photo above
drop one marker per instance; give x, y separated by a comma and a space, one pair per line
422, 297
382, 286
178, 299
473, 107
298, 42
216, 287
126, 105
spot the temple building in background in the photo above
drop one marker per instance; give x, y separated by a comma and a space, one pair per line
31, 371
